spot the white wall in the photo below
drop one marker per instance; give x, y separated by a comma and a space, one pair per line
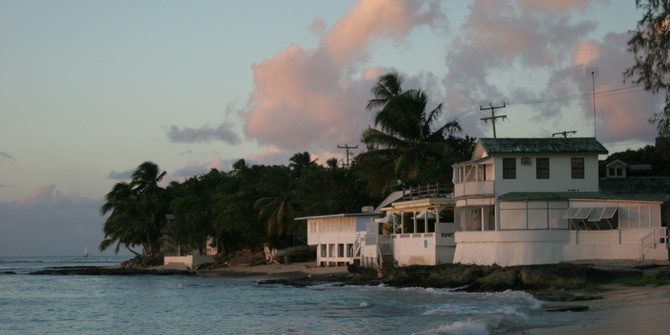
560, 175
508, 248
190, 261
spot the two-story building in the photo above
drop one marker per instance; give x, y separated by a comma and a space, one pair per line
537, 200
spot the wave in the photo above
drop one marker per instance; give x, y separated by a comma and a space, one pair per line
461, 327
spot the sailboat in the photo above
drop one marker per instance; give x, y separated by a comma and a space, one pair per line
85, 251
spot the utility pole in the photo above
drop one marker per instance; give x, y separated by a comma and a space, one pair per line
493, 116
593, 71
347, 147
564, 133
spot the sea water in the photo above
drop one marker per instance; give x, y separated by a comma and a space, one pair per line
78, 304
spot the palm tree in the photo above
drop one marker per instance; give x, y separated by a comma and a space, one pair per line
404, 138
301, 163
137, 211
276, 209
119, 227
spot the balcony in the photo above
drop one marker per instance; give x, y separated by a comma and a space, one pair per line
474, 188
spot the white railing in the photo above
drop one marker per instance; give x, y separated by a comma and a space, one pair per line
473, 188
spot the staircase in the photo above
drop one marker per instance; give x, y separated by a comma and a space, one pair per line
356, 250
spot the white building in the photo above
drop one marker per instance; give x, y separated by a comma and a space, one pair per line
517, 202
337, 237
537, 200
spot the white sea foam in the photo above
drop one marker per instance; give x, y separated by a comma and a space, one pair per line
460, 327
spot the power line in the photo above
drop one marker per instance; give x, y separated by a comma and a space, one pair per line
604, 93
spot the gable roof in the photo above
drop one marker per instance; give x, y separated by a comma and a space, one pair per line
540, 145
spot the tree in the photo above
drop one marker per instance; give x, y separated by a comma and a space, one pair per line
651, 44
301, 163
276, 208
404, 138
137, 211
120, 227
192, 208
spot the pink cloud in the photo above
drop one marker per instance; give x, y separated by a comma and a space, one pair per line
40, 195
557, 6
371, 19
585, 53
311, 99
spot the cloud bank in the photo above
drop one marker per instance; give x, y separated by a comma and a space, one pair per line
49, 222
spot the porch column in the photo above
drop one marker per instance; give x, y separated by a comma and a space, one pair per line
482, 218
402, 222
414, 219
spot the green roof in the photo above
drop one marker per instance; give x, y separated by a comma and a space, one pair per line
545, 196
542, 145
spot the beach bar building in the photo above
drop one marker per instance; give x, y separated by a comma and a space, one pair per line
417, 229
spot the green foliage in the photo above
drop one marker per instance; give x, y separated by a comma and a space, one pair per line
657, 156
405, 147
137, 212
650, 44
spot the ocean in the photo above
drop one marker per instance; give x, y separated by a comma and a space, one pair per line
75, 304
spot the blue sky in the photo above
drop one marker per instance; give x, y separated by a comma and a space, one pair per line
91, 89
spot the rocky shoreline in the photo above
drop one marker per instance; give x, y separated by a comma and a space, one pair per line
102, 271
551, 282
564, 282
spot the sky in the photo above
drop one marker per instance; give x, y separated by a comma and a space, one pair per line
89, 90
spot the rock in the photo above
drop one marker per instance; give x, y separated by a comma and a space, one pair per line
565, 308
499, 280
98, 271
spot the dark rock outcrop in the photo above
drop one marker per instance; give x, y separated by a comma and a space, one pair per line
98, 271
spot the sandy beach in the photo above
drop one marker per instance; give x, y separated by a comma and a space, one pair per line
622, 310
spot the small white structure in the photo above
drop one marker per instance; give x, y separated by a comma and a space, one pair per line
191, 258
616, 169
536, 201
337, 237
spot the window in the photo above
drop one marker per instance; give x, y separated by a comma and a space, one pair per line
509, 168
525, 161
542, 168
578, 168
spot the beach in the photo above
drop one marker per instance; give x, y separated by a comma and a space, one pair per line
621, 310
